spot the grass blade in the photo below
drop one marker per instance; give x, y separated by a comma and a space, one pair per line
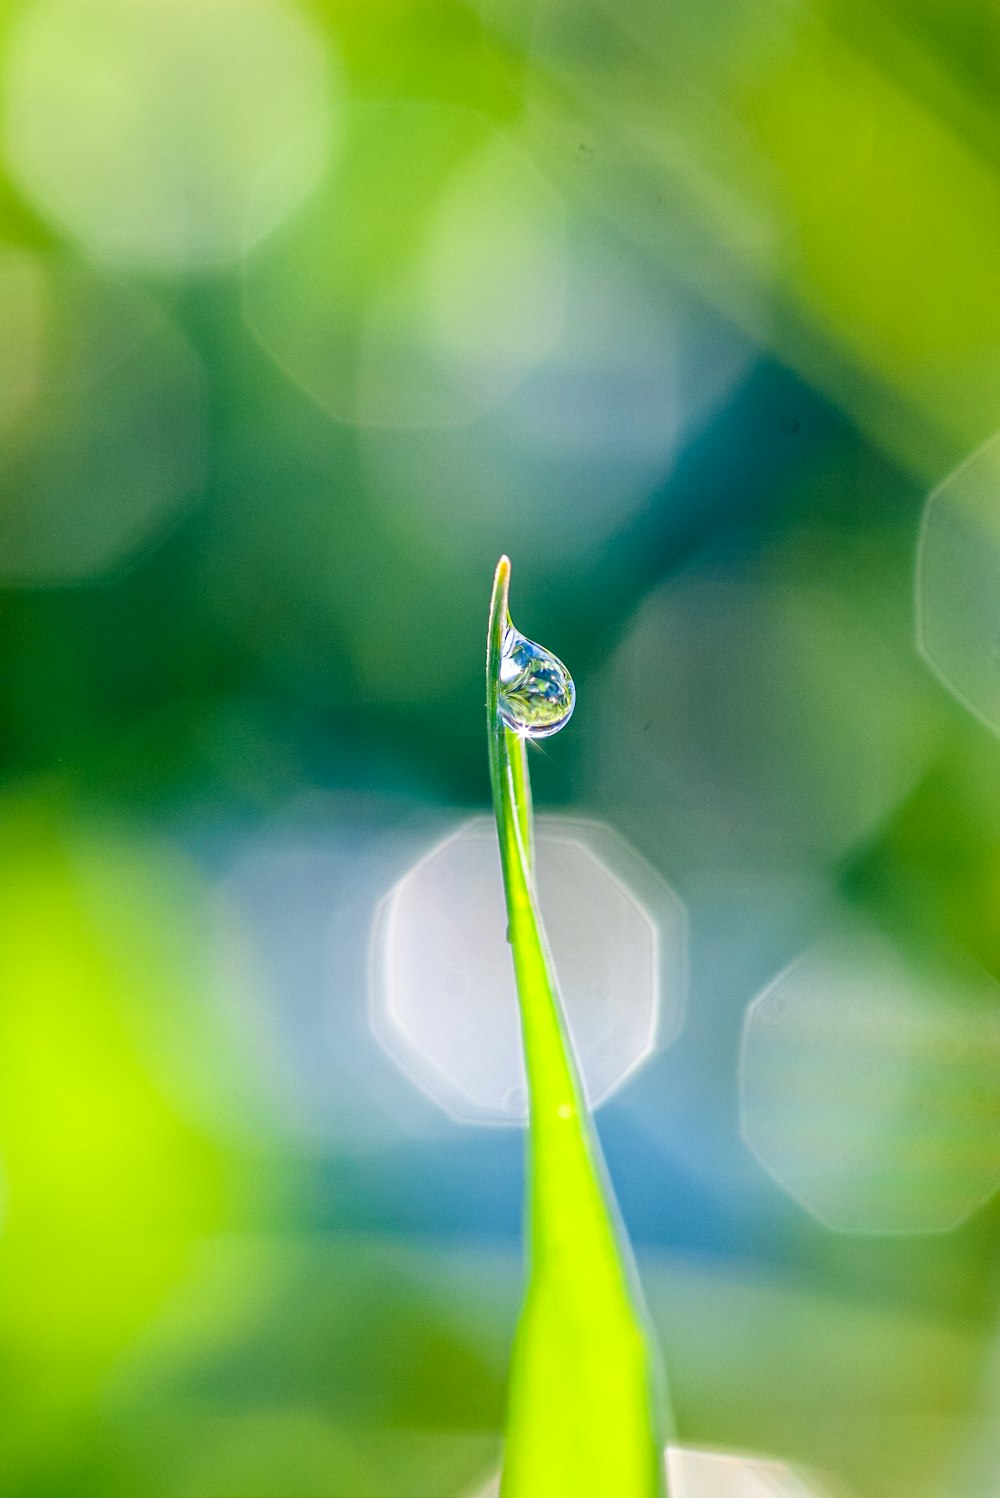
582, 1405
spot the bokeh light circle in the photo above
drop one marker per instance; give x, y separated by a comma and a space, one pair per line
870, 1086
145, 127
443, 1000
764, 719
423, 280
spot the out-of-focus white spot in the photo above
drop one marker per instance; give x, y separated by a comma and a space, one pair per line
763, 723
420, 286
443, 1000
958, 584
490, 1490
165, 132
103, 442
575, 451
870, 1087
716, 1474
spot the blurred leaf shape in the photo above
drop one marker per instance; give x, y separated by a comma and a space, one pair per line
108, 1183
582, 1411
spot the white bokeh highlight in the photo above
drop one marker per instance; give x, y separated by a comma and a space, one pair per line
958, 584
165, 133
870, 1086
443, 1000
717, 1474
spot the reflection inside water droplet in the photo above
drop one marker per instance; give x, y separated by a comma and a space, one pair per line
537, 695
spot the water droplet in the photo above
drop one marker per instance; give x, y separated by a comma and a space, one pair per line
537, 695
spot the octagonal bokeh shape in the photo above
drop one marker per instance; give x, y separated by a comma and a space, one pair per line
957, 579
870, 1085
425, 276
442, 998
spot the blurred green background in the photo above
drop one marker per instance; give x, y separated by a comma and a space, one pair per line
307, 312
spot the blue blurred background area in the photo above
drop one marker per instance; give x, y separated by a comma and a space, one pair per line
308, 311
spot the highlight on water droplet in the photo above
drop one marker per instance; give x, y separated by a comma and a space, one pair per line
537, 695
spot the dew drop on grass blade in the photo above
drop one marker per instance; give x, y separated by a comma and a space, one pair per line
585, 1397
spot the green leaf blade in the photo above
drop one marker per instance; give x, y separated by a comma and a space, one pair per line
582, 1406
